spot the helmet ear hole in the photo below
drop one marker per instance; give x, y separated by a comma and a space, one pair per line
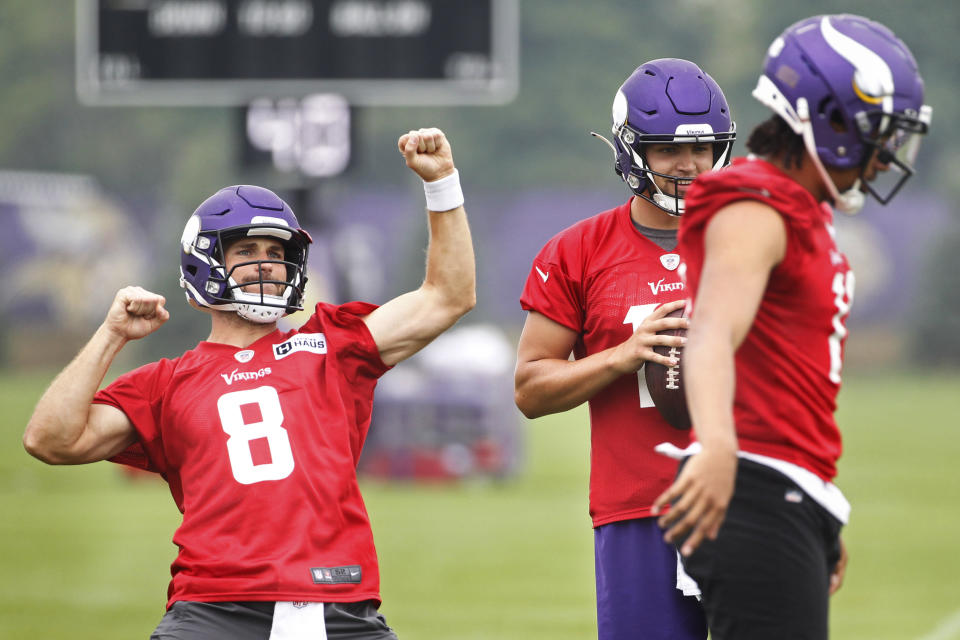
192, 269
837, 121
822, 106
828, 110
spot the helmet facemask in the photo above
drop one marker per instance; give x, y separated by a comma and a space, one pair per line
667, 101
893, 139
894, 142
640, 177
259, 306
221, 291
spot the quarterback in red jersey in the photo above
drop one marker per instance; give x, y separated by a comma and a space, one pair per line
771, 293
601, 289
257, 431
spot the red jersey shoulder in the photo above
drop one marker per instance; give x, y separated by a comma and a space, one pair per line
342, 331
139, 394
557, 282
347, 315
148, 382
750, 179
570, 248
596, 244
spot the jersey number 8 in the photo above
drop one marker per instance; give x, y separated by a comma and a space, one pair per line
243, 433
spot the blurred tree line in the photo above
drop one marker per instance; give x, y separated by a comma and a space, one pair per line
573, 57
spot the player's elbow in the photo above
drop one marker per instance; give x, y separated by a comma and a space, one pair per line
527, 410
521, 396
456, 296
461, 300
527, 403
457, 304
467, 303
37, 446
42, 445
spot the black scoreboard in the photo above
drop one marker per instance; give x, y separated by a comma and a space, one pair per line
229, 52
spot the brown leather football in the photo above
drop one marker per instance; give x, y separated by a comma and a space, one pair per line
665, 384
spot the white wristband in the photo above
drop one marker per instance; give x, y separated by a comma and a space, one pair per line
444, 194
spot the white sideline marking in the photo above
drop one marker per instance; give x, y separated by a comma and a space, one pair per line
948, 629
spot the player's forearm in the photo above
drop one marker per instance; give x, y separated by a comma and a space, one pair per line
549, 385
709, 376
451, 267
61, 415
409, 322
732, 284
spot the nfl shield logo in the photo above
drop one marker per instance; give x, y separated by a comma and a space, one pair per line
670, 261
299, 605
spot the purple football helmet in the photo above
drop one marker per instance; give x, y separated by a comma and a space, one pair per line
669, 101
232, 213
849, 86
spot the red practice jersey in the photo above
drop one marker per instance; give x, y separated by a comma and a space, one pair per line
601, 278
788, 367
260, 447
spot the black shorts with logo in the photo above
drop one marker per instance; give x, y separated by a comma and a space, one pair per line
767, 575
254, 621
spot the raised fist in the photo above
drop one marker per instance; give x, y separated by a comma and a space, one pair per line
136, 312
428, 153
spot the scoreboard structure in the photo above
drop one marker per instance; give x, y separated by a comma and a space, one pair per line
230, 52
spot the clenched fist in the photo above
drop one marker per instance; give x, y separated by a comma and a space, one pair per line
135, 313
428, 153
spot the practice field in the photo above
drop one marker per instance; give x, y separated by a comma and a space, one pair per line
85, 552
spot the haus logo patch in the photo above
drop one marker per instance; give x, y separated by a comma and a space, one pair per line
310, 342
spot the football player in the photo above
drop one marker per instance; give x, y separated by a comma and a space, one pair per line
764, 352
258, 431
601, 289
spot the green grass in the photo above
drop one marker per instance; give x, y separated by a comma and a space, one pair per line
900, 472
86, 553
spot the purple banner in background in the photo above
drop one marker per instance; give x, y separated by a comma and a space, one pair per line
887, 246
372, 246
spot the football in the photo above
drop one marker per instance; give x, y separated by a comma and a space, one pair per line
665, 384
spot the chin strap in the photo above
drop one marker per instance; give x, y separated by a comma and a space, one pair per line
673, 206
850, 201
258, 313
248, 305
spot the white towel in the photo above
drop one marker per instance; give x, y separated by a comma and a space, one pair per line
685, 584
298, 621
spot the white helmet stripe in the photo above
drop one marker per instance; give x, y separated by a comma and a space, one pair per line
873, 80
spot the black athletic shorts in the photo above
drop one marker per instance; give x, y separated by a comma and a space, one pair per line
767, 575
254, 621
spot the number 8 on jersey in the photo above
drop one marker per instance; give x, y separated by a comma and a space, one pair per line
267, 400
